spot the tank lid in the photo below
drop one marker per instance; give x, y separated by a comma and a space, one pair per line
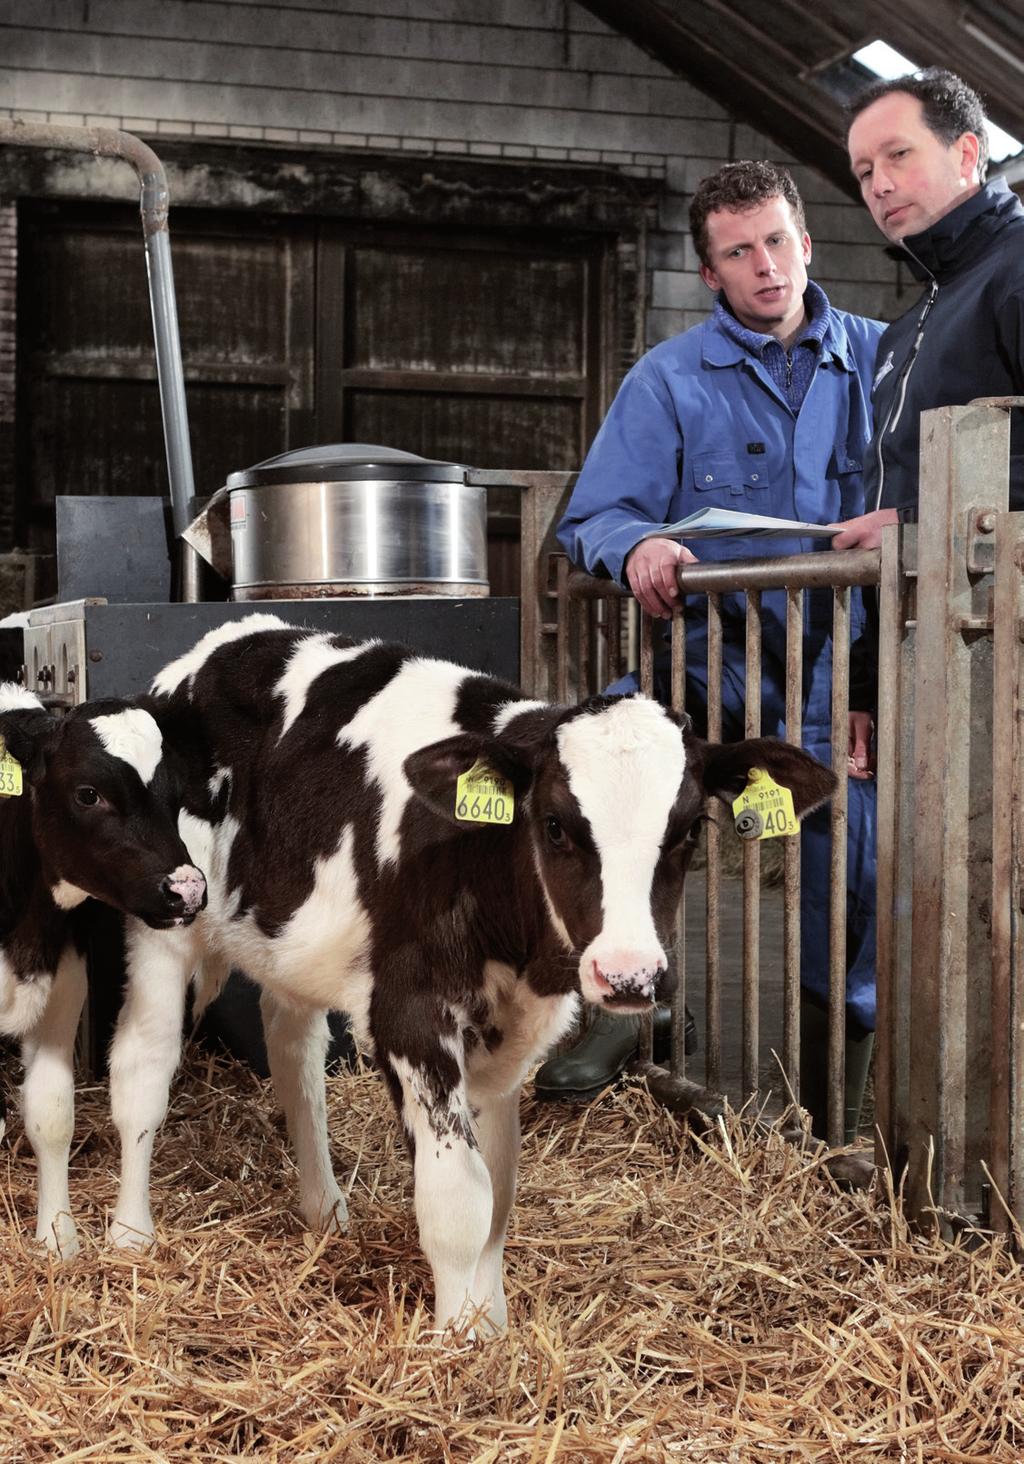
346, 462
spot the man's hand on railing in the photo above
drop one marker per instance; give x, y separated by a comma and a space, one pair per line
651, 572
861, 762
865, 532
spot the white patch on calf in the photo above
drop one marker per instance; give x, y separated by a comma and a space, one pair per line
529, 1025
185, 667
416, 708
67, 896
509, 711
22, 999
310, 659
134, 737
16, 698
624, 766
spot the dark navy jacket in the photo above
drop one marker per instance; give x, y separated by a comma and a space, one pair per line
968, 329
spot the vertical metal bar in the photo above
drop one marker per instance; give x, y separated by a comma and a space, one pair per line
647, 626
891, 716
585, 662
837, 870
679, 995
647, 634
752, 864
964, 454
713, 873
1006, 1105
791, 853
562, 632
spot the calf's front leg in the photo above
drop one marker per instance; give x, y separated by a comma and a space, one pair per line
48, 1101
144, 1055
454, 1199
297, 1039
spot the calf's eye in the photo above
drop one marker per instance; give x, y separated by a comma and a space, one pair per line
87, 797
556, 835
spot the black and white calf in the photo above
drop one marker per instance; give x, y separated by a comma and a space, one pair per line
322, 802
98, 816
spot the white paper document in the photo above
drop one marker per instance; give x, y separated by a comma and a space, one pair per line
712, 523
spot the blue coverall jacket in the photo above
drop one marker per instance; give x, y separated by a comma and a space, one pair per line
698, 422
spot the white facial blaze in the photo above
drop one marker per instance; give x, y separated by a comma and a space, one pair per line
14, 697
624, 767
134, 737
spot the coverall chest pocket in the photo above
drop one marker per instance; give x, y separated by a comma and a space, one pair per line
723, 474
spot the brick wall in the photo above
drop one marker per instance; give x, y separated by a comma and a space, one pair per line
503, 79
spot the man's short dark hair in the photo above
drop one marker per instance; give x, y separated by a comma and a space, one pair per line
949, 107
739, 187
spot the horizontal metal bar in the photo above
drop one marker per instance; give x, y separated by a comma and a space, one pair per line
840, 569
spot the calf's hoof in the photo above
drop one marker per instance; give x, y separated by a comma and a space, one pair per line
60, 1236
130, 1235
327, 1214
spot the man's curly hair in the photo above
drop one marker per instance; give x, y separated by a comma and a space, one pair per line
740, 187
949, 107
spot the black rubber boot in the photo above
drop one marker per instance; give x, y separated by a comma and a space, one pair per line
814, 1069
607, 1046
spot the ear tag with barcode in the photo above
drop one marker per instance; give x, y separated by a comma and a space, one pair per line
764, 810
484, 796
10, 774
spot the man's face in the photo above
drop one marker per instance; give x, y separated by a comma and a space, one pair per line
758, 259
909, 178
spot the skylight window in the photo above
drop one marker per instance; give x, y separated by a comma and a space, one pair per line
881, 60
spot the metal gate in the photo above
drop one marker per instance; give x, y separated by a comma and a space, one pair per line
949, 1058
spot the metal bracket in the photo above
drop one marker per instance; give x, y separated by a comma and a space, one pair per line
981, 541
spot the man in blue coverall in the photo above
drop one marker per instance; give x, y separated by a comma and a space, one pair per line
764, 407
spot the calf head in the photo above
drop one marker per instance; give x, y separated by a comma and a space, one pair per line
104, 808
612, 793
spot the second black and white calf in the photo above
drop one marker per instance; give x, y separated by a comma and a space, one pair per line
97, 817
322, 801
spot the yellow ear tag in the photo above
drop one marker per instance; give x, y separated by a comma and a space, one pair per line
10, 774
484, 796
764, 810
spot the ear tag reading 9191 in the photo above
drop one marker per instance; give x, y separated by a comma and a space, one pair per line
484, 796
764, 810
10, 774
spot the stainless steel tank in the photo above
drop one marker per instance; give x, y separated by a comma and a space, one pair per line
356, 519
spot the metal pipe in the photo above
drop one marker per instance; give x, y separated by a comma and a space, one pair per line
752, 866
791, 851
678, 699
107, 142
837, 877
713, 837
734, 576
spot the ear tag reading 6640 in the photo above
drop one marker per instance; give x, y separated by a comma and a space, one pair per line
10, 774
764, 810
484, 796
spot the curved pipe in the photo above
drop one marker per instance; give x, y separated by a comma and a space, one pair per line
106, 142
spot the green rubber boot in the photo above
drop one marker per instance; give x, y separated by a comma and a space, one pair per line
814, 1070
602, 1054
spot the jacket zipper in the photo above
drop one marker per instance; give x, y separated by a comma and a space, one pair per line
896, 405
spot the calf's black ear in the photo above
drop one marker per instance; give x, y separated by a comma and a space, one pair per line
434, 771
727, 764
28, 734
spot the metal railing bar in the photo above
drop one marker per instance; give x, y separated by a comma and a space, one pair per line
791, 851
752, 864
838, 860
713, 872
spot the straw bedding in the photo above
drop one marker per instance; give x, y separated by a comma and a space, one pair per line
671, 1297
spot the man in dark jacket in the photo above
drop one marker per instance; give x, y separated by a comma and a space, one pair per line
919, 149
